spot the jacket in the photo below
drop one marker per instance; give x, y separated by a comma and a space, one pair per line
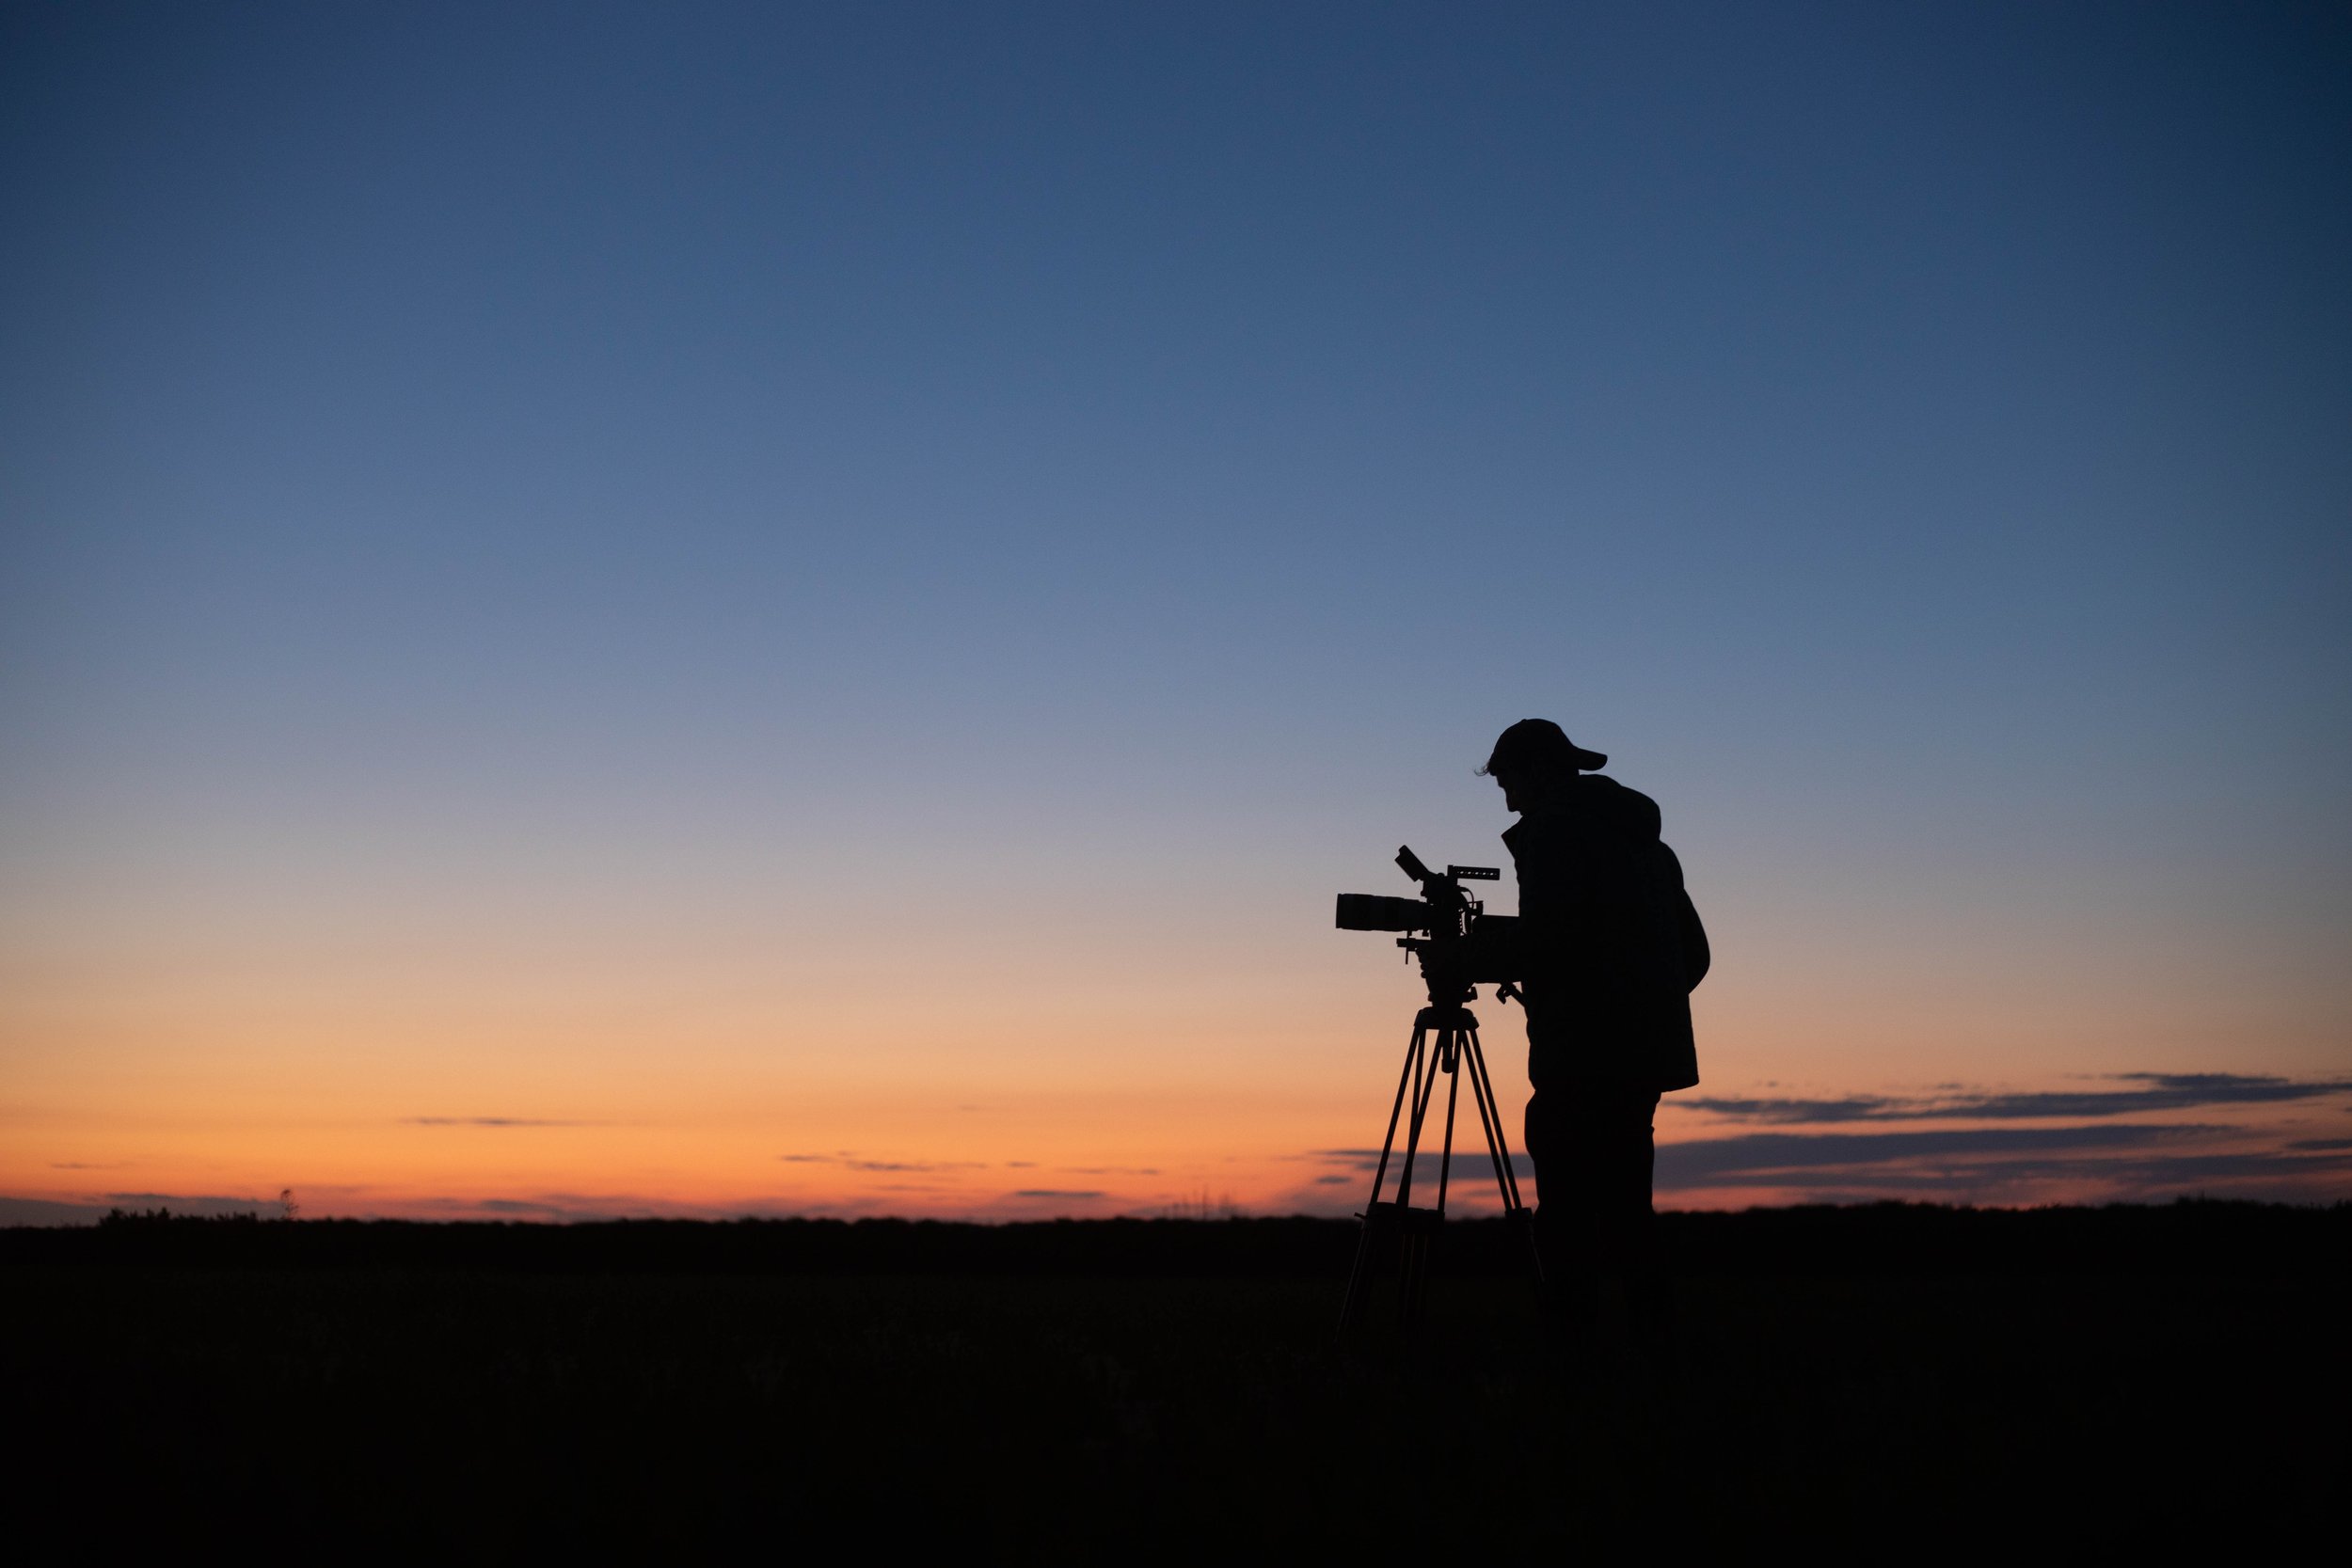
1608, 944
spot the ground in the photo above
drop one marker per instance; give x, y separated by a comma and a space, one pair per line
492, 1393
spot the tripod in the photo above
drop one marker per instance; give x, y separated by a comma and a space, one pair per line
1445, 1036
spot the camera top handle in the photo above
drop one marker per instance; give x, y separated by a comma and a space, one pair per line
1410, 865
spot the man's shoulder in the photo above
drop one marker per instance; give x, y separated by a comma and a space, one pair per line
1608, 805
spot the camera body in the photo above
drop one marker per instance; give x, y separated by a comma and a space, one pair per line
1446, 928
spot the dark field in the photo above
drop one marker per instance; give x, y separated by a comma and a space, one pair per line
1882, 1381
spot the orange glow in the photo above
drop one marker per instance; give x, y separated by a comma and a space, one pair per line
508, 1094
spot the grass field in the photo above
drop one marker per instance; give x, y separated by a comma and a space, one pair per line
492, 1393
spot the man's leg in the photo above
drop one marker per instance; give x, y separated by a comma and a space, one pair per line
1567, 1221
1593, 1151
1623, 1130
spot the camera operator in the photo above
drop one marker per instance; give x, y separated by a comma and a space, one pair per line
1606, 948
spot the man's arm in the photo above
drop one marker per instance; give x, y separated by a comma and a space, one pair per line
1697, 955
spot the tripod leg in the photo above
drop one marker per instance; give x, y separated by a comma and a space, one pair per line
1424, 1081
1374, 1238
1420, 1232
1412, 1276
1413, 1057
1369, 1243
1498, 1147
1419, 1226
1490, 1123
1448, 1052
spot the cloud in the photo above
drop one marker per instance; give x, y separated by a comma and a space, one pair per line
496, 1121
551, 1205
520, 1206
1472, 1159
850, 1161
1859, 1107
2269, 1177
35, 1211
2121, 1163
2155, 1091
2108, 1158
1717, 1162
1057, 1192
84, 1164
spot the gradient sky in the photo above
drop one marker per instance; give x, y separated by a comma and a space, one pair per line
727, 608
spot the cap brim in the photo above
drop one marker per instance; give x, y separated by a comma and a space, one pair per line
1587, 761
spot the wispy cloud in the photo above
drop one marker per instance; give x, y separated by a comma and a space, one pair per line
850, 1161
2151, 1091
558, 1206
1707, 1162
496, 1121
2117, 1162
2246, 1174
39, 1211
2124, 1142
1473, 1162
522, 1208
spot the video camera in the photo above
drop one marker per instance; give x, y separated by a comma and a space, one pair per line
1460, 947
1461, 939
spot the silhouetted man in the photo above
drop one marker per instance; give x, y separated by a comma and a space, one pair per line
1609, 947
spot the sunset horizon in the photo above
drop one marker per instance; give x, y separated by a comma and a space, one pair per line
2131, 1138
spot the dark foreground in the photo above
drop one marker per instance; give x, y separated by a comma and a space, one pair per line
1885, 1381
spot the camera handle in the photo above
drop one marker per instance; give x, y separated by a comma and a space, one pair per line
1445, 1038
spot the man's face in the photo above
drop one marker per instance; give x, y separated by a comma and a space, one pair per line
1514, 787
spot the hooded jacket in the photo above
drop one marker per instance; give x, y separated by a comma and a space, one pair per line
1608, 944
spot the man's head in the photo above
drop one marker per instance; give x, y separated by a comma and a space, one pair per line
1534, 758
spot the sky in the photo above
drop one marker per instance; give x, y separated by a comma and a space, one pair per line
763, 609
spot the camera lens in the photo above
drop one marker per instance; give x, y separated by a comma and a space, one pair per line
1374, 911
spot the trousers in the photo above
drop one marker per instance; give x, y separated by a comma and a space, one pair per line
1592, 1147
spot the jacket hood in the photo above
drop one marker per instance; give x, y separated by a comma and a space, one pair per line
1629, 811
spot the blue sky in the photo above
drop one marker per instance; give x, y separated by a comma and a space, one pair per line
711, 480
